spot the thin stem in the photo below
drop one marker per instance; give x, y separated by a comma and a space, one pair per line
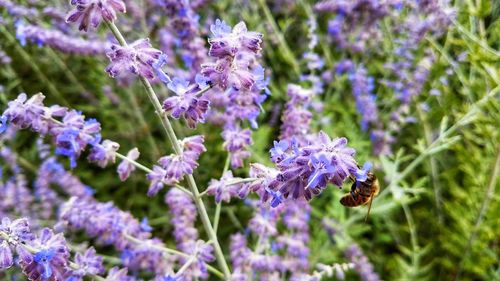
178, 150
185, 266
218, 207
219, 204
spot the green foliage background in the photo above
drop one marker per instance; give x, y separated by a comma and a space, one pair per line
437, 217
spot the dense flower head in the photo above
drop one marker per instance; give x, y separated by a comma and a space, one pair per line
92, 12
307, 169
72, 133
137, 58
227, 41
18, 230
186, 103
50, 262
297, 117
174, 167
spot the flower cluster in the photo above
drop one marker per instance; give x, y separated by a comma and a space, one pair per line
71, 134
238, 81
137, 58
92, 12
186, 103
46, 256
225, 188
174, 167
305, 170
296, 117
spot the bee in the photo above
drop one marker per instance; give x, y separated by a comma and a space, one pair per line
362, 193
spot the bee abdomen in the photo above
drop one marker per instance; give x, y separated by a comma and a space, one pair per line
349, 201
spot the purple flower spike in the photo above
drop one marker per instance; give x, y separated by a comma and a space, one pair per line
18, 229
51, 260
137, 58
186, 103
92, 12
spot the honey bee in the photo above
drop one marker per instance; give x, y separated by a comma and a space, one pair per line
362, 193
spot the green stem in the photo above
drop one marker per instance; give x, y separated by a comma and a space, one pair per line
178, 150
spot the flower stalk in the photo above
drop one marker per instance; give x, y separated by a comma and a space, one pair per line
202, 211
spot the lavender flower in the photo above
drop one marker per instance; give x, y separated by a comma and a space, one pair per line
88, 263
186, 103
125, 168
306, 170
236, 142
50, 261
94, 11
137, 58
223, 189
104, 152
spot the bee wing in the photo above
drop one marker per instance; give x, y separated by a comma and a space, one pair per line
369, 207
